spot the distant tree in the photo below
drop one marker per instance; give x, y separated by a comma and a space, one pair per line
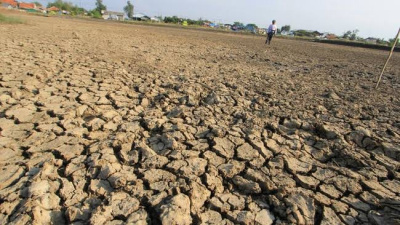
381, 41
173, 19
100, 6
347, 34
252, 25
351, 35
38, 3
78, 11
129, 9
391, 41
316, 33
200, 22
238, 24
285, 28
95, 14
58, 3
67, 6
305, 33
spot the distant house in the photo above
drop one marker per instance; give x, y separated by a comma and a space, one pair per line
8, 4
371, 40
322, 36
27, 6
252, 28
228, 26
155, 19
287, 33
262, 31
237, 27
110, 15
213, 25
330, 37
140, 17
42, 9
53, 9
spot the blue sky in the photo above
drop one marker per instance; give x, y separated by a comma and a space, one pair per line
372, 18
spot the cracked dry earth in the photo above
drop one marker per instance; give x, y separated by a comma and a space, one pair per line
108, 123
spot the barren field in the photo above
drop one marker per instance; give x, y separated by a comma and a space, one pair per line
110, 123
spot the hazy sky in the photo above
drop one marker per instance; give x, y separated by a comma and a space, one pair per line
372, 18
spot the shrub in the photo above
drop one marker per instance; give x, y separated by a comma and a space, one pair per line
10, 20
95, 14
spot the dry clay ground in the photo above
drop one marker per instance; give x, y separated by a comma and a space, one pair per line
108, 123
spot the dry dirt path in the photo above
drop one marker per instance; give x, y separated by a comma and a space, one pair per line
108, 123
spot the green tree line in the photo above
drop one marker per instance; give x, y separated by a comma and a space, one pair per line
67, 6
175, 19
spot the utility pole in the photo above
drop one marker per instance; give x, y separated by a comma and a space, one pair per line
396, 40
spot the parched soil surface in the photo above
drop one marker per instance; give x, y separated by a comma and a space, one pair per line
109, 123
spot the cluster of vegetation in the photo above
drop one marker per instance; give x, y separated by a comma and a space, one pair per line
129, 9
75, 10
240, 26
67, 6
391, 42
96, 12
351, 35
178, 20
10, 20
38, 4
285, 28
200, 22
305, 33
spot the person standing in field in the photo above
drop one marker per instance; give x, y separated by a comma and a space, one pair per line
271, 32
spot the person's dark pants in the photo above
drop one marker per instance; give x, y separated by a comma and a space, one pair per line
269, 38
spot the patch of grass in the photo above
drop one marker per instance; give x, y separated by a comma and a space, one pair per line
10, 19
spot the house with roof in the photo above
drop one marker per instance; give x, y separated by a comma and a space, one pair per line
251, 28
8, 4
155, 19
227, 26
53, 9
287, 33
371, 40
140, 17
262, 31
331, 37
29, 7
110, 15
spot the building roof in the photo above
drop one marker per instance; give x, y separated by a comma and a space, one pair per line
139, 15
23, 5
53, 8
13, 3
113, 13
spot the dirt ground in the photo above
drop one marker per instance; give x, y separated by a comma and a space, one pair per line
110, 123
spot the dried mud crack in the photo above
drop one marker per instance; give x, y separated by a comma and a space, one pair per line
106, 123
